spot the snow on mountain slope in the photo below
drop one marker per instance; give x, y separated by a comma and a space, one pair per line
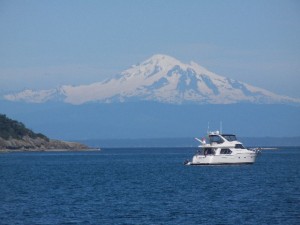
161, 78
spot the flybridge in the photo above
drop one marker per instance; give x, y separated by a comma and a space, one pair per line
217, 137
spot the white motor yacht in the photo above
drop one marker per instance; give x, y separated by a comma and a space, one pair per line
222, 149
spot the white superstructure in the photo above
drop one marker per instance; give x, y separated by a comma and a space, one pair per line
222, 149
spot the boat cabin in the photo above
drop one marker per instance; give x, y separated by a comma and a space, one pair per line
214, 151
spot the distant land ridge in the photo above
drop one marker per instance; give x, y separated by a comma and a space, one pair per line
161, 78
15, 136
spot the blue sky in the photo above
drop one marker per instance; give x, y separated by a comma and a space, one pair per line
45, 44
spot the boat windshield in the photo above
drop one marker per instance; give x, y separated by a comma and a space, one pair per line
229, 137
215, 139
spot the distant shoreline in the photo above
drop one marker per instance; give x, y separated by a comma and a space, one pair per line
270, 148
259, 142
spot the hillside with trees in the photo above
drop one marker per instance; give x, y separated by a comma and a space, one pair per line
15, 136
13, 129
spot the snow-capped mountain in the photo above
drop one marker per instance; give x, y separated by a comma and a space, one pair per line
161, 78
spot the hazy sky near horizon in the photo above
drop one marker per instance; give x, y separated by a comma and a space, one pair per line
44, 44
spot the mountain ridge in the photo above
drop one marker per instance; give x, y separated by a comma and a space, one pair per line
160, 78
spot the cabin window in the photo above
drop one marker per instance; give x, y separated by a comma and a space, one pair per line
225, 151
209, 151
239, 146
216, 139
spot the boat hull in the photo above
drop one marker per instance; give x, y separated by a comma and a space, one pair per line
248, 158
216, 164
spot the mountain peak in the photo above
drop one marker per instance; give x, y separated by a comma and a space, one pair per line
160, 78
161, 59
154, 64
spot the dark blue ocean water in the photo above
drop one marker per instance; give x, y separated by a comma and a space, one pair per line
147, 186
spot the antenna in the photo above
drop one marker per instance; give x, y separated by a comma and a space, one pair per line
208, 128
221, 132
